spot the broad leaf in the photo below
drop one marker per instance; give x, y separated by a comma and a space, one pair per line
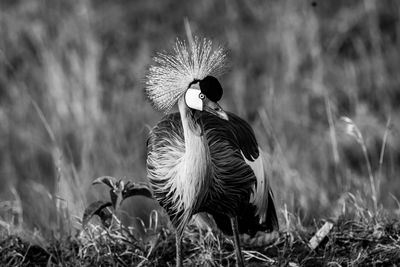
136, 189
97, 208
107, 180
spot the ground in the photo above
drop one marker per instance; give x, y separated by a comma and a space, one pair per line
362, 242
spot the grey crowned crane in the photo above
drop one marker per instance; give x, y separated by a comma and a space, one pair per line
203, 159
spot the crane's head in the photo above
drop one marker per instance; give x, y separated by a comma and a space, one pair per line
203, 95
187, 75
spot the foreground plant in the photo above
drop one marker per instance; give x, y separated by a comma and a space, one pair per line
352, 130
119, 191
112, 240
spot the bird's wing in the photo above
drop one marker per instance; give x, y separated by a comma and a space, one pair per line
231, 179
244, 136
262, 196
258, 212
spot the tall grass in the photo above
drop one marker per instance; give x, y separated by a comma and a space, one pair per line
72, 106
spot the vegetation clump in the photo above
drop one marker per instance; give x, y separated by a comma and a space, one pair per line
352, 241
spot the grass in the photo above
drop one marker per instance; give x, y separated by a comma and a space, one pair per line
72, 109
351, 242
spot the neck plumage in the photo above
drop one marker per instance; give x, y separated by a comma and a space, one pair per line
193, 172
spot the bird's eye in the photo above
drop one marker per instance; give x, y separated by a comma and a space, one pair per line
201, 96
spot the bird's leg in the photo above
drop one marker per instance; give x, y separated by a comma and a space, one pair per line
178, 250
235, 230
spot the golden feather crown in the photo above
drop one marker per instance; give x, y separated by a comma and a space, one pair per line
171, 74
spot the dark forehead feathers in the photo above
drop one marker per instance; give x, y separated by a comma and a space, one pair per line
211, 87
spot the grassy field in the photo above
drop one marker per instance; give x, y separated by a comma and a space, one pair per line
72, 108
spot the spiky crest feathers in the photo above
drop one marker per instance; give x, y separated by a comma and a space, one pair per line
171, 75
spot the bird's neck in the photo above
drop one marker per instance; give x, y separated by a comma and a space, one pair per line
193, 174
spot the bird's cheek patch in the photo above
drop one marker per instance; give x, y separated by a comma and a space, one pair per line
193, 100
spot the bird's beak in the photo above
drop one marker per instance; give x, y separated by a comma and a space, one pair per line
215, 109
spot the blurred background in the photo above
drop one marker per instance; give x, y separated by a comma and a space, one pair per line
72, 104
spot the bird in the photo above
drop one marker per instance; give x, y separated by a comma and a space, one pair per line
203, 159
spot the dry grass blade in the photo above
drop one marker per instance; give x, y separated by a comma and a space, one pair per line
107, 180
320, 235
352, 130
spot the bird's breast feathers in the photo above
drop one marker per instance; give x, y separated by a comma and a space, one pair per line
175, 171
